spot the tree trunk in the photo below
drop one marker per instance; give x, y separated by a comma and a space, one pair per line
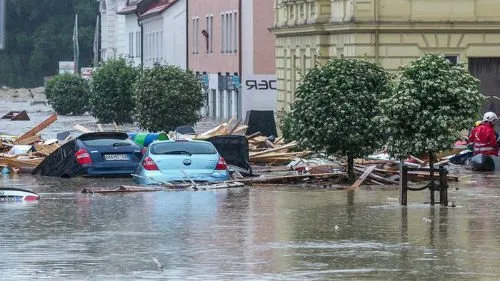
350, 169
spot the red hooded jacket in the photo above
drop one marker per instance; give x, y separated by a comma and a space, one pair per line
484, 139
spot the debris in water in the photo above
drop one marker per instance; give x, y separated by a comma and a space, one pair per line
158, 264
337, 227
426, 220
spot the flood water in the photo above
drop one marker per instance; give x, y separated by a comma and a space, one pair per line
259, 233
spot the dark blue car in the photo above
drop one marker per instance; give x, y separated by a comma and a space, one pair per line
93, 154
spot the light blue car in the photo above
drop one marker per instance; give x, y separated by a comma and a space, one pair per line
181, 161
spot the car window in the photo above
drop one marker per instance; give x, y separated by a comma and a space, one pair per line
183, 148
107, 141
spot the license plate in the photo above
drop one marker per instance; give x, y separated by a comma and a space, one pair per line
114, 157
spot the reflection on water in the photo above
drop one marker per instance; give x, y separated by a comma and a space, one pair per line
248, 234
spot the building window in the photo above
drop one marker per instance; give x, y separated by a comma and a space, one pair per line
137, 44
236, 32
452, 58
193, 40
196, 35
222, 33
312, 8
209, 36
130, 44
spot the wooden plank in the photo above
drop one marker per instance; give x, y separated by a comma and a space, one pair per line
362, 178
270, 144
234, 128
38, 128
82, 129
29, 140
254, 135
278, 140
240, 129
420, 161
377, 178
284, 147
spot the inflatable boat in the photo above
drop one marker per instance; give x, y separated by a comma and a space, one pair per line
10, 194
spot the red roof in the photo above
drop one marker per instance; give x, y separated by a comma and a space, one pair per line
158, 7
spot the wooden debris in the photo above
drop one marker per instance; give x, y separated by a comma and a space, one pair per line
38, 128
82, 129
254, 135
29, 140
17, 116
362, 178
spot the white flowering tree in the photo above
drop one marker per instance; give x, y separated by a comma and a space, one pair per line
431, 103
335, 108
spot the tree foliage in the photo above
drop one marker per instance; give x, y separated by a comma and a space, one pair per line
432, 102
67, 93
167, 97
112, 85
335, 108
39, 35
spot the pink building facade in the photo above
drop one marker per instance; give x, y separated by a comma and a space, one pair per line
232, 51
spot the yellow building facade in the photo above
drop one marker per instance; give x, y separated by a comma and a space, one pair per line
391, 32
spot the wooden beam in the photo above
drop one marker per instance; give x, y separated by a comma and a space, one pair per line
286, 146
29, 140
37, 129
362, 178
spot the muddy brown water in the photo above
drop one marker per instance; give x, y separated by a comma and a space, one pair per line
267, 233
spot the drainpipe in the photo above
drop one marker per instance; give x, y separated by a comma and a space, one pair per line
240, 45
377, 31
240, 58
139, 23
187, 34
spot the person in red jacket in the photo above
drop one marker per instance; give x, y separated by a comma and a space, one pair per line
483, 137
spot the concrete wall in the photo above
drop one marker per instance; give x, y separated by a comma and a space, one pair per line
174, 35
258, 69
132, 26
221, 103
217, 61
153, 34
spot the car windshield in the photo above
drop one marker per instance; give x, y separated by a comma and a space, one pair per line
107, 141
188, 148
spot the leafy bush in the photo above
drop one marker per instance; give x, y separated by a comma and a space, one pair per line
335, 109
111, 91
68, 93
166, 97
433, 101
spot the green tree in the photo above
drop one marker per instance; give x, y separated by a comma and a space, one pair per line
68, 93
335, 108
112, 85
167, 97
39, 35
431, 103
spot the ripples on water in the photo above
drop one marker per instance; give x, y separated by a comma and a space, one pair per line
243, 234
246, 234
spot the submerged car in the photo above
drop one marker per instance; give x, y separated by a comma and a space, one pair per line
181, 161
93, 154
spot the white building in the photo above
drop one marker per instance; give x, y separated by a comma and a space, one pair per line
120, 31
130, 38
164, 27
